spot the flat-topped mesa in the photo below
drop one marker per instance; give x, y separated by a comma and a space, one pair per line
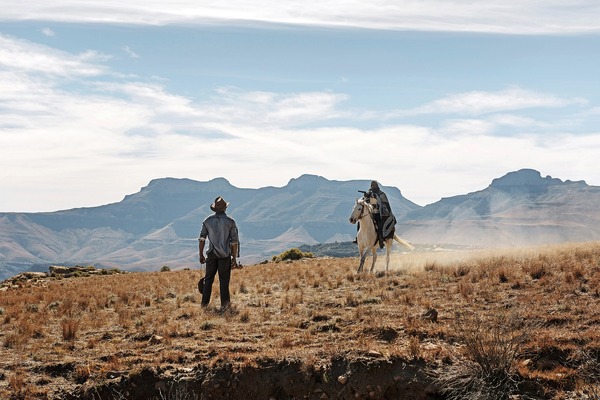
529, 181
524, 177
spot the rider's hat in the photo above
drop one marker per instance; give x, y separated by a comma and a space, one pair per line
374, 185
219, 204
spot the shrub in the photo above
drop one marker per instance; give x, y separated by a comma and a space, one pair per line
245, 316
292, 254
69, 328
165, 268
486, 370
414, 347
589, 372
207, 325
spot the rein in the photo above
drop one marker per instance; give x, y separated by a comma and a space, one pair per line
362, 211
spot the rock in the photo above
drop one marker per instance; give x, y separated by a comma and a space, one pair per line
34, 275
156, 339
343, 379
55, 269
431, 315
374, 354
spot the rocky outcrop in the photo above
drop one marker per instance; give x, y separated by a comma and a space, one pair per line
54, 272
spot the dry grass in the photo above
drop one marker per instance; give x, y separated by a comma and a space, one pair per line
62, 333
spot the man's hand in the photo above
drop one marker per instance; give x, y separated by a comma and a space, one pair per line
233, 262
201, 242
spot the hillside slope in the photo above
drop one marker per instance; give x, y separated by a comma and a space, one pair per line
313, 329
518, 209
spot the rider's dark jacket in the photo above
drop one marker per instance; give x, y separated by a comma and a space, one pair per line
379, 201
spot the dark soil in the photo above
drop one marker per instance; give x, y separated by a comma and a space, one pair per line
365, 378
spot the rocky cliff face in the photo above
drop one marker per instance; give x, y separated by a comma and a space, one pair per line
524, 179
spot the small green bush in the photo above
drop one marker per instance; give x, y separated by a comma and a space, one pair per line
292, 254
165, 268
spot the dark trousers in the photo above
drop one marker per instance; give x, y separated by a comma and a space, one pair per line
378, 221
223, 267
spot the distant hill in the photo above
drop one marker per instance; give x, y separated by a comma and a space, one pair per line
160, 224
519, 209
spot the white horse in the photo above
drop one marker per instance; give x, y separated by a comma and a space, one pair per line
367, 235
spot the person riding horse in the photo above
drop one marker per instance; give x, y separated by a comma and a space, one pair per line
381, 209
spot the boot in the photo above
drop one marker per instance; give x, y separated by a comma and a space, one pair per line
355, 241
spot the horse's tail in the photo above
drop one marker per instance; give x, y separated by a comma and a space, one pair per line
403, 242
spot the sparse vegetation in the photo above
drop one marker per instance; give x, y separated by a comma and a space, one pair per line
291, 255
513, 323
483, 367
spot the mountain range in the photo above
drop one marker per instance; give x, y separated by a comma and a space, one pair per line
160, 224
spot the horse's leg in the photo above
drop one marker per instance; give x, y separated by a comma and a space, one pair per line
374, 250
362, 260
363, 255
388, 250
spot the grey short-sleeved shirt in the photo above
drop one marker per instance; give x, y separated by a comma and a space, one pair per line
221, 231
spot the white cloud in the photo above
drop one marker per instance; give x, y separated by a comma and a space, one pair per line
26, 57
478, 103
498, 16
96, 138
130, 53
267, 108
48, 32
517, 121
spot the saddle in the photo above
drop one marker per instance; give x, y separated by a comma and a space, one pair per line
389, 228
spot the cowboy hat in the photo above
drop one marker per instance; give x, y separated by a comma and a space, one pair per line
219, 204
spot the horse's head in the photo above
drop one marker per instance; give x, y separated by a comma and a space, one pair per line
360, 207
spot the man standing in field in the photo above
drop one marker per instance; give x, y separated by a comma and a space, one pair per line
222, 233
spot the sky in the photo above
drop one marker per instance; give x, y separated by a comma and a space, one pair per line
436, 98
